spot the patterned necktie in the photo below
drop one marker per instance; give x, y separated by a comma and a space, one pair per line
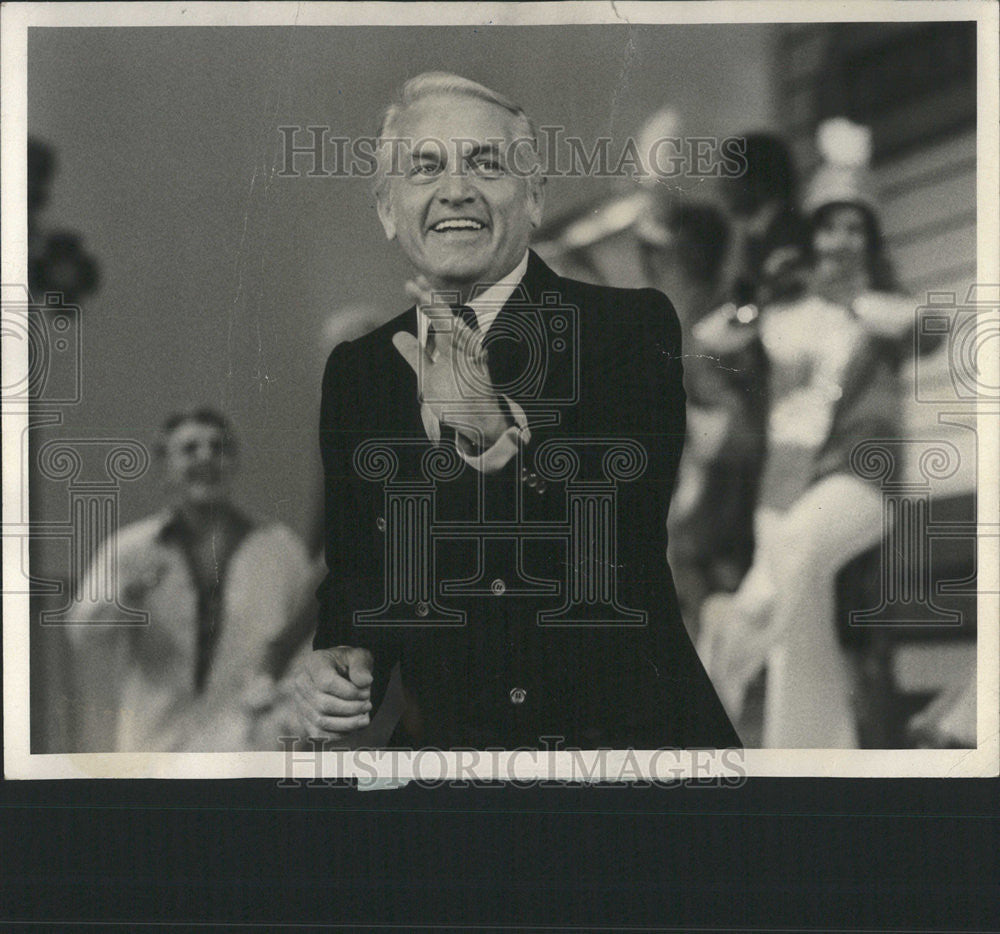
468, 316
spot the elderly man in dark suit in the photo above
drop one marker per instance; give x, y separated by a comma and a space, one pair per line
499, 462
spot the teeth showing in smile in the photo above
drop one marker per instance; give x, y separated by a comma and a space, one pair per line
457, 223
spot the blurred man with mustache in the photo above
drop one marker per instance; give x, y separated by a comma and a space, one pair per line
521, 637
224, 597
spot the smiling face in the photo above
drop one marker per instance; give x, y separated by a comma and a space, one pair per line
840, 242
197, 467
458, 200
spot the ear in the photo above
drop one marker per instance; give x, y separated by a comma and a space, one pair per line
536, 198
386, 215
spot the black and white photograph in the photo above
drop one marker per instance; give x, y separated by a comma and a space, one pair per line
430, 392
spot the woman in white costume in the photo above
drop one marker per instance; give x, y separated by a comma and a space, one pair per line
833, 358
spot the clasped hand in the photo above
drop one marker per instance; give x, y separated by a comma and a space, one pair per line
454, 387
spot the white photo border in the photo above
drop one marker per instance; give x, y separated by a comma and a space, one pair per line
378, 769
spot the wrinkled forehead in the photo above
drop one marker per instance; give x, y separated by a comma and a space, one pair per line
453, 122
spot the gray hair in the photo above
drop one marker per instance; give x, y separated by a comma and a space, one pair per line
200, 416
442, 82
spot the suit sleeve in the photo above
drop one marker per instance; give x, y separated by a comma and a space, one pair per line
343, 589
648, 407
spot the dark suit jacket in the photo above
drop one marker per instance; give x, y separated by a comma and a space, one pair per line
536, 601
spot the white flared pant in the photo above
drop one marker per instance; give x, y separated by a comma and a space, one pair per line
784, 616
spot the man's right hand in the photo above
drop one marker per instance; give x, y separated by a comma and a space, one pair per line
453, 375
333, 691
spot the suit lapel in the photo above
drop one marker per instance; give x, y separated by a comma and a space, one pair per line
401, 392
517, 338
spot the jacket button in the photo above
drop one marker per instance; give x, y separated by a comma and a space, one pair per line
524, 474
422, 609
380, 524
541, 487
498, 587
532, 479
518, 695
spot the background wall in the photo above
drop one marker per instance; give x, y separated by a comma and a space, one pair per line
217, 275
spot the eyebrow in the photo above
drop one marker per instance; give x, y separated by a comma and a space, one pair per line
431, 152
490, 149
427, 152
